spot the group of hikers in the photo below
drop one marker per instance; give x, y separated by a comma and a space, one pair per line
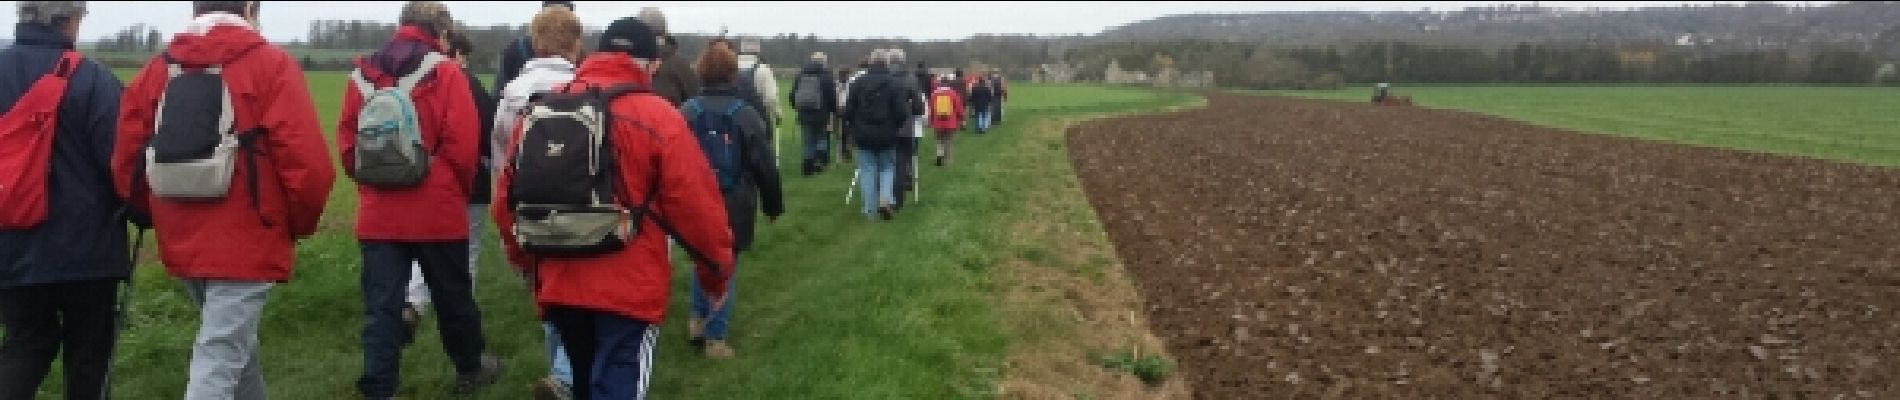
881, 111
592, 163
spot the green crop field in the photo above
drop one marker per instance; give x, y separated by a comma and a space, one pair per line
1856, 124
829, 305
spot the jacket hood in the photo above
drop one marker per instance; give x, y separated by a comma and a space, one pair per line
36, 34
402, 55
609, 69
213, 41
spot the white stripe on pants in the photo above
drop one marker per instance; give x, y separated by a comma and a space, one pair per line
224, 362
646, 358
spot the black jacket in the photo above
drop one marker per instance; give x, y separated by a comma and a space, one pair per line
484, 105
861, 105
676, 80
759, 182
84, 234
981, 96
827, 92
518, 53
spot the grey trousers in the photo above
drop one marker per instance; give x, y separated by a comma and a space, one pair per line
224, 364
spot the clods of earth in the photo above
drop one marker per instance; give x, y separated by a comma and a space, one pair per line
1298, 248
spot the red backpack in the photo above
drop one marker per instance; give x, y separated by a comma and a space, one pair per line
26, 146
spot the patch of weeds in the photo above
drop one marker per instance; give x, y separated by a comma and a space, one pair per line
1151, 368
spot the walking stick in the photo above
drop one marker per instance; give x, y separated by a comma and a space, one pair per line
119, 320
851, 189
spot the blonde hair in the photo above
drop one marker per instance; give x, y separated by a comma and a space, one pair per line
556, 32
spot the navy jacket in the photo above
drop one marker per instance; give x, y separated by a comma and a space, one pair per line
84, 235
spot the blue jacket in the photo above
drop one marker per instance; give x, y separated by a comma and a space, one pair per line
84, 235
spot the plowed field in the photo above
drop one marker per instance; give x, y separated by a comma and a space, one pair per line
1298, 248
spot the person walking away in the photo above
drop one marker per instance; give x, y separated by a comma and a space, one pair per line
730, 135
557, 40
876, 109
961, 83
230, 239
675, 80
418, 291
924, 80
909, 134
407, 141
981, 96
946, 116
607, 293
815, 97
62, 228
1380, 91
845, 77
757, 76
1001, 91
520, 51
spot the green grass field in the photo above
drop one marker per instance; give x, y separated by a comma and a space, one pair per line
1855, 124
829, 305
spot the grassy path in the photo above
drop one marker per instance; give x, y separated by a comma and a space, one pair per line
829, 305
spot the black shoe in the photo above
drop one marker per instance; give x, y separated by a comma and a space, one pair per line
490, 372
939, 161
884, 212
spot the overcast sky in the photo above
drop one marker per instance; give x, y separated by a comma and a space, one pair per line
924, 20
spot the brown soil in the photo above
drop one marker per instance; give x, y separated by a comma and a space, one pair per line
1296, 248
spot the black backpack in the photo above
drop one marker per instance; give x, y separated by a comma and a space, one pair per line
807, 93
565, 191
880, 110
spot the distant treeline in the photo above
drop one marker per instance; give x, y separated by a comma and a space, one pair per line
1260, 66
1014, 52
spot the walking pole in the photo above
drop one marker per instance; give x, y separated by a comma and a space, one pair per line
851, 189
118, 329
916, 188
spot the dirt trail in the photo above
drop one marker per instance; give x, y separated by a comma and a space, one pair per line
1308, 248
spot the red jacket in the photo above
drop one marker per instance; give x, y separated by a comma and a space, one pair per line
634, 282
229, 239
951, 122
435, 210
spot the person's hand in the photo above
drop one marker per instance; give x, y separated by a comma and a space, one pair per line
719, 302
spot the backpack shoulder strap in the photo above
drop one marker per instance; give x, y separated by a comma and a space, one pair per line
363, 85
409, 82
690, 108
733, 110
67, 65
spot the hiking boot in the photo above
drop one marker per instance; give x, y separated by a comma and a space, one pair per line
696, 332
411, 318
548, 388
491, 372
718, 350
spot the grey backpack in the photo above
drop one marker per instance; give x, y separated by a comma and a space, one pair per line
389, 150
193, 148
